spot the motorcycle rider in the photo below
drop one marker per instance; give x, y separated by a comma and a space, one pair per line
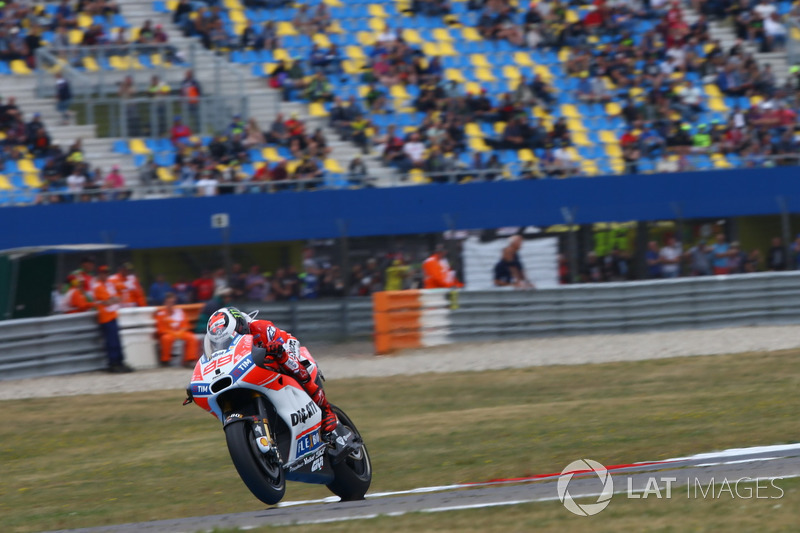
282, 348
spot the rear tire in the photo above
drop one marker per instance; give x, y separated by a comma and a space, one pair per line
353, 475
265, 478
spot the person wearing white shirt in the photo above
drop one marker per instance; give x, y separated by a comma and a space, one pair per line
670, 259
76, 183
765, 9
775, 30
414, 149
206, 185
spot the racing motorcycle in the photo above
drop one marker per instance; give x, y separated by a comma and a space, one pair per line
273, 428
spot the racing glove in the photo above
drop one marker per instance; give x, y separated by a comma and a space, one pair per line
275, 349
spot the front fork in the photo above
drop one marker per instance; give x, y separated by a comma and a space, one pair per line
263, 436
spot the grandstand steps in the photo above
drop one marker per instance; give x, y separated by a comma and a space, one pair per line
724, 32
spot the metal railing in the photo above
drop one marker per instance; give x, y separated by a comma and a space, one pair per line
792, 41
688, 303
98, 70
151, 186
153, 116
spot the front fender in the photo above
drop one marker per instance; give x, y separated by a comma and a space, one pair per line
234, 418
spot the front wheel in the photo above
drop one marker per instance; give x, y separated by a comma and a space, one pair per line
353, 475
263, 475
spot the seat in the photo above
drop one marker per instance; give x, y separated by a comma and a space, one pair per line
471, 34
484, 74
570, 111
376, 10
355, 52
138, 147
285, 28
453, 74
332, 165
523, 59
412, 36
478, 145
479, 61
613, 109
472, 129
512, 73
317, 109
442, 35
164, 174
377, 24
321, 40
18, 66
90, 64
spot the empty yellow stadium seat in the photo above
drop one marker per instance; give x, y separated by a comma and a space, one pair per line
355, 52
321, 40
485, 74
572, 17
473, 87
84, 20
479, 61
431, 49
19, 66
90, 64
26, 165
376, 10
412, 36
477, 144
418, 176
613, 150
291, 166
580, 138
32, 180
446, 49
5, 184
232, 4
511, 72
334, 3
138, 147
712, 90
164, 174
613, 109
332, 165
237, 16
472, 129
352, 66
270, 154
366, 38
526, 155
442, 34
717, 104
317, 109
608, 137
335, 27
377, 24
576, 124
523, 59
471, 34
286, 28
453, 74
399, 92
570, 111
499, 127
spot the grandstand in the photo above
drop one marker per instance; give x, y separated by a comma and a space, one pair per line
235, 81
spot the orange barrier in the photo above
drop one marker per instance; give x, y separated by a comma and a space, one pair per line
397, 318
410, 319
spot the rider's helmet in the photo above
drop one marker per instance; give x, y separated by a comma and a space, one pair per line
225, 323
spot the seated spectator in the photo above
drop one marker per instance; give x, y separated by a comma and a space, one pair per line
268, 37
319, 89
775, 32
308, 169
172, 325
338, 118
414, 149
249, 37
114, 184
159, 290
180, 133
254, 137
278, 132
376, 99
357, 171
321, 18
303, 21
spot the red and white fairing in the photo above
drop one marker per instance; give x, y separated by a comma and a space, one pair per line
233, 367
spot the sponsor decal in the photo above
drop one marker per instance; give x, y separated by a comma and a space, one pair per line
308, 443
317, 461
217, 323
199, 388
270, 333
264, 441
241, 369
299, 417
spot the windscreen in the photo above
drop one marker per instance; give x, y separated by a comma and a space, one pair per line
218, 345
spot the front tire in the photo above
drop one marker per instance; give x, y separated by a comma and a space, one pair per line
353, 475
263, 476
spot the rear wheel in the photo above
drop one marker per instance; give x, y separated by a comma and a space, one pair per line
263, 475
353, 475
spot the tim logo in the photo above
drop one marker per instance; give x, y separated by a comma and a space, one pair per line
308, 443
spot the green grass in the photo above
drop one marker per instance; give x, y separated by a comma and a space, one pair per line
98, 460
